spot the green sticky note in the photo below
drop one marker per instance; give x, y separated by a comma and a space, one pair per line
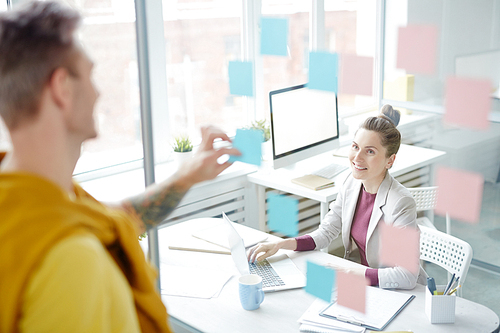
320, 281
283, 214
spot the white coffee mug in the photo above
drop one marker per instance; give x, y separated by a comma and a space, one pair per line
251, 294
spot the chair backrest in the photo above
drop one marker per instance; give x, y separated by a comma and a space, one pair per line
447, 251
425, 197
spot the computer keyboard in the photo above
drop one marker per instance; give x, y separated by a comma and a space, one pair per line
330, 170
269, 276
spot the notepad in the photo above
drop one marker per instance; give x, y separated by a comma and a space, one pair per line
191, 243
313, 182
382, 306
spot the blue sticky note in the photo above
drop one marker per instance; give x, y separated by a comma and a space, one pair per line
249, 143
240, 78
323, 71
320, 281
274, 36
283, 214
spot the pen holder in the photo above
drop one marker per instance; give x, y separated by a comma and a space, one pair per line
440, 309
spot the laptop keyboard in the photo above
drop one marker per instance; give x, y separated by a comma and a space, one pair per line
330, 170
269, 276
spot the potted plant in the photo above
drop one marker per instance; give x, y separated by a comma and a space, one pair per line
183, 149
263, 126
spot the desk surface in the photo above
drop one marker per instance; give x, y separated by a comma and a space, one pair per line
280, 311
408, 158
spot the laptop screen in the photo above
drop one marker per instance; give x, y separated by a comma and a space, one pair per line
237, 247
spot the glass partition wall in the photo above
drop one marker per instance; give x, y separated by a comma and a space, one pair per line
198, 38
468, 45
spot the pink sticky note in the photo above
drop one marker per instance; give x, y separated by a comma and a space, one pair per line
351, 291
399, 247
417, 45
459, 194
356, 75
467, 102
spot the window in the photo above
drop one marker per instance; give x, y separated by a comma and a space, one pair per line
350, 29
201, 37
109, 36
282, 72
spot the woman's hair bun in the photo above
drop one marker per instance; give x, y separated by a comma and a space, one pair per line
388, 113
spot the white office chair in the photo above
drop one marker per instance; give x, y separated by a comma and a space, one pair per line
446, 251
426, 199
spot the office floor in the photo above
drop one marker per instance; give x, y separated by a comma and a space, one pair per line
481, 285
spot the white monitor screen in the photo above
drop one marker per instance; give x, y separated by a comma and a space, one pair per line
302, 119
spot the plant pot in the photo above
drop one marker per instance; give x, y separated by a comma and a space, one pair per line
267, 151
181, 157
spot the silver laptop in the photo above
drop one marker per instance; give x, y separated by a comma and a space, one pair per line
278, 272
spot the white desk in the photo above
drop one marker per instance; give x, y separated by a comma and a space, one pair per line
408, 158
279, 311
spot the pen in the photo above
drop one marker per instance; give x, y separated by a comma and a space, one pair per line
455, 283
431, 284
451, 292
449, 284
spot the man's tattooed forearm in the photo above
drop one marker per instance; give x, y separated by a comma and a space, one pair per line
153, 206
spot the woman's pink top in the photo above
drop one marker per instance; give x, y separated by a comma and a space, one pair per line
359, 230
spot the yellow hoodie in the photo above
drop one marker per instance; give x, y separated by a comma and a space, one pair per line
35, 214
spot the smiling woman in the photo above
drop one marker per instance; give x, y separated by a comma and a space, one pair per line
374, 148
368, 197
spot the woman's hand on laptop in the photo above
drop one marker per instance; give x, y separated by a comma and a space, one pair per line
270, 248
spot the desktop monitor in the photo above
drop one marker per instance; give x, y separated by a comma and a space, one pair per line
304, 123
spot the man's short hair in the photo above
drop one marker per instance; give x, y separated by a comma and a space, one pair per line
35, 40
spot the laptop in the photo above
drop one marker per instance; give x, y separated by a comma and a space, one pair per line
283, 274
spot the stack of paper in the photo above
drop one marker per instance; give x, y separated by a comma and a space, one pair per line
312, 321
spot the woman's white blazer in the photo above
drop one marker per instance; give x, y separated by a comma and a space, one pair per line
394, 205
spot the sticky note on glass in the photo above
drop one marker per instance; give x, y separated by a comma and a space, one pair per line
399, 247
274, 36
351, 291
320, 281
459, 194
417, 46
356, 75
467, 102
283, 214
240, 78
249, 143
323, 71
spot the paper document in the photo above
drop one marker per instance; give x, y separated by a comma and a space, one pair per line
314, 182
192, 281
312, 318
190, 243
382, 306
